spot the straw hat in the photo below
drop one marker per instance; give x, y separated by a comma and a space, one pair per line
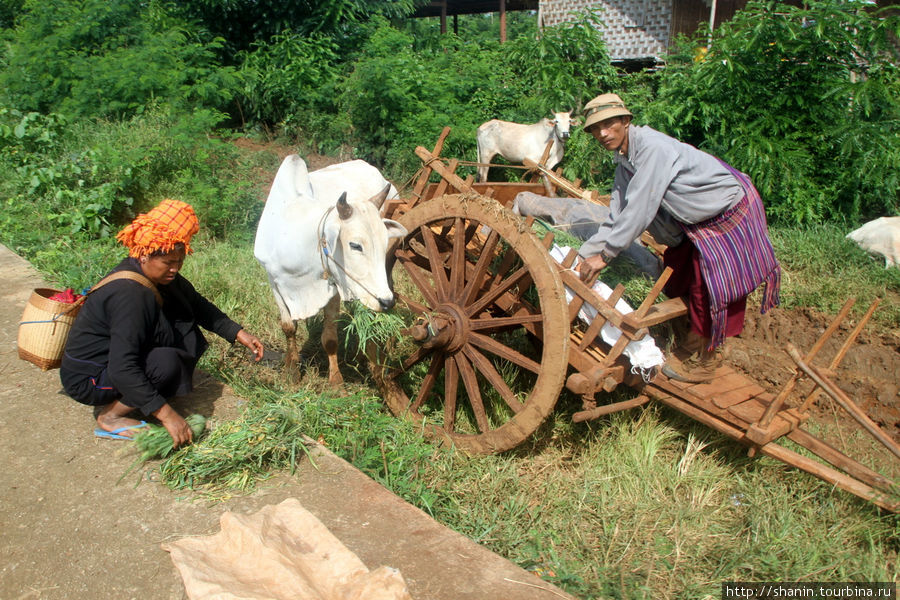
603, 107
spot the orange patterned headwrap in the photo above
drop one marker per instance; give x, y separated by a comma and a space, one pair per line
172, 222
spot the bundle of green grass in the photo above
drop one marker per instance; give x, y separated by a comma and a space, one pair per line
155, 441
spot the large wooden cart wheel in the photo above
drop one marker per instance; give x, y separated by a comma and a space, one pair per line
485, 357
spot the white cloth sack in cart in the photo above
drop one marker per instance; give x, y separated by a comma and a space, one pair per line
644, 354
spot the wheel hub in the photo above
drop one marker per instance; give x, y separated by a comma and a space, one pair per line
447, 328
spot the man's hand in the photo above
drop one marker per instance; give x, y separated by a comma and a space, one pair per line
252, 342
590, 268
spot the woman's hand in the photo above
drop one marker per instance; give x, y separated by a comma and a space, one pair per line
175, 424
252, 342
590, 268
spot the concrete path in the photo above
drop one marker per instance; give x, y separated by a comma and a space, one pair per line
72, 528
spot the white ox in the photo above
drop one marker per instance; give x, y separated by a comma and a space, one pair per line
515, 142
882, 237
321, 239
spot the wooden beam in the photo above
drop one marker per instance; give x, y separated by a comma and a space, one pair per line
502, 21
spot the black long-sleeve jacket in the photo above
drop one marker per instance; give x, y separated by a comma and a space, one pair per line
121, 322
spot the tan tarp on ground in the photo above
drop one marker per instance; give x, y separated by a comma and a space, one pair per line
280, 552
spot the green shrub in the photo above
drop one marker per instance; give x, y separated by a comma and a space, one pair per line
71, 182
804, 100
108, 58
288, 77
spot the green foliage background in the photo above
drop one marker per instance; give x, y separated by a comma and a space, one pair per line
106, 106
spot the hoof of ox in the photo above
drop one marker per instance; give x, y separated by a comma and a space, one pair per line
336, 379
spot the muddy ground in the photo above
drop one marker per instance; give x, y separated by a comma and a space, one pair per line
869, 374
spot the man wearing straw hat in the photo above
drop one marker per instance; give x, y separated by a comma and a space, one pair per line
136, 340
708, 214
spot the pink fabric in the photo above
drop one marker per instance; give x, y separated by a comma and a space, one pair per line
68, 296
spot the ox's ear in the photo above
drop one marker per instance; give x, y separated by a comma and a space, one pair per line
394, 229
301, 175
576, 121
379, 198
345, 211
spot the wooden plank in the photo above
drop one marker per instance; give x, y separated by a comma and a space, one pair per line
751, 410
748, 411
728, 381
721, 372
736, 396
658, 313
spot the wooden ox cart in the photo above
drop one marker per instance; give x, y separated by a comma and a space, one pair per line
493, 339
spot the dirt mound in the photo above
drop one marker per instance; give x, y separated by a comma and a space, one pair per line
868, 373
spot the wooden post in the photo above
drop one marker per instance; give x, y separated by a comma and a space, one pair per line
836, 361
844, 401
777, 403
443, 17
502, 21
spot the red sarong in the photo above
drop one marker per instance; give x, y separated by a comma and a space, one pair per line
687, 282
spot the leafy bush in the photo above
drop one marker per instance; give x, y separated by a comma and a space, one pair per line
565, 65
108, 58
802, 99
70, 182
243, 23
288, 77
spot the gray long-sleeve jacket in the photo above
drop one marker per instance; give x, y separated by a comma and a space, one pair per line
659, 182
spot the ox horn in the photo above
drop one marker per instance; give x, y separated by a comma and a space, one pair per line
379, 198
345, 211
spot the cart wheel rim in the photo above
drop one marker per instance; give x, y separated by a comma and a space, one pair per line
480, 277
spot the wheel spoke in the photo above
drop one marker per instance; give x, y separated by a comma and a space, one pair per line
475, 282
414, 306
451, 385
475, 401
505, 352
494, 378
437, 363
458, 261
415, 358
437, 263
497, 291
419, 280
499, 323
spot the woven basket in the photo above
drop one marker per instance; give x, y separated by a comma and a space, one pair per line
44, 328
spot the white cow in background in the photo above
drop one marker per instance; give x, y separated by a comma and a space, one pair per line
881, 237
321, 239
515, 142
